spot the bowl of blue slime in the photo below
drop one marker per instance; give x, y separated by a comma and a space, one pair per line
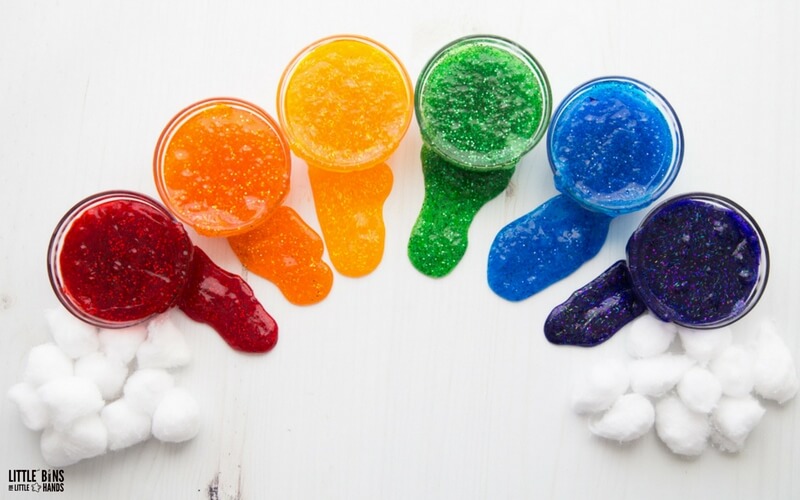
614, 145
698, 260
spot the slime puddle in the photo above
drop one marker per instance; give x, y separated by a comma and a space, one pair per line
118, 258
345, 103
350, 213
222, 166
697, 260
453, 197
482, 102
287, 252
615, 146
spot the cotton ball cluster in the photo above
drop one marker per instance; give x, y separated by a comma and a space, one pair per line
703, 395
94, 390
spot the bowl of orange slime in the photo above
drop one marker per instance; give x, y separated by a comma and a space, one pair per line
345, 103
222, 166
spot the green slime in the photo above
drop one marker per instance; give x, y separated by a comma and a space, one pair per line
453, 196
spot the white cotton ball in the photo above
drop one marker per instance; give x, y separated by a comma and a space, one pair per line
165, 346
699, 390
53, 445
72, 335
629, 418
70, 398
683, 431
32, 411
108, 373
126, 426
122, 343
774, 371
599, 386
733, 420
87, 437
705, 345
649, 336
145, 389
657, 375
734, 370
177, 417
46, 362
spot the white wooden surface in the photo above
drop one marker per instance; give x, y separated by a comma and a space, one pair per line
397, 386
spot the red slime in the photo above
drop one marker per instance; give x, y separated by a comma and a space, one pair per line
118, 258
227, 303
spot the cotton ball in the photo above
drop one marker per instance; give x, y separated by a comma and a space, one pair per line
657, 375
32, 411
108, 373
650, 336
683, 431
699, 390
145, 388
87, 437
177, 417
165, 346
774, 371
629, 418
53, 445
705, 345
733, 420
122, 343
72, 335
70, 398
46, 362
734, 369
126, 426
600, 386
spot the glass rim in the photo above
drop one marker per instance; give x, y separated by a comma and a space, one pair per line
57, 238
513, 48
763, 264
172, 127
285, 81
670, 116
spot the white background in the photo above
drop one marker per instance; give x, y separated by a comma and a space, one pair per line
397, 386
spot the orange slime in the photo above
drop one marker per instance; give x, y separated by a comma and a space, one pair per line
345, 104
222, 166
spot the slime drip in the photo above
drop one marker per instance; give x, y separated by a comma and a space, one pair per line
226, 303
543, 247
224, 169
346, 103
695, 262
453, 197
597, 311
349, 209
287, 252
123, 261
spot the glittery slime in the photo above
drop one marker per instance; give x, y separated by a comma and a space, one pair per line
346, 103
118, 258
615, 145
482, 102
698, 260
221, 165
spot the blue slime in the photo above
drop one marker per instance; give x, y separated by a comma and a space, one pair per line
698, 260
615, 146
